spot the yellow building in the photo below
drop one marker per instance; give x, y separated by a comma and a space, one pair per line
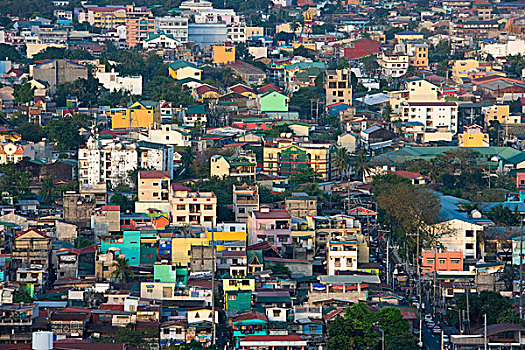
418, 55
141, 114
499, 113
234, 284
223, 54
288, 159
408, 35
153, 191
192, 208
378, 37
462, 68
181, 247
240, 166
473, 136
8, 135
180, 70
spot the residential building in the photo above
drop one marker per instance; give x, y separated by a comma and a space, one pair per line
300, 205
473, 136
284, 159
393, 65
441, 116
259, 342
195, 115
167, 134
140, 24
273, 101
154, 188
245, 200
497, 112
215, 16
361, 48
139, 247
113, 82
160, 41
141, 114
189, 207
478, 29
223, 53
270, 225
207, 34
11, 152
240, 166
338, 86
174, 26
441, 260
59, 71
237, 33
180, 70
418, 54
107, 17
248, 73
342, 255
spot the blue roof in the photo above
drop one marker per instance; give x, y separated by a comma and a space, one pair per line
450, 210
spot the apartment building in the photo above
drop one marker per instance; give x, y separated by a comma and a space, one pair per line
342, 255
285, 159
338, 86
245, 200
107, 17
441, 260
393, 65
270, 225
110, 161
497, 112
300, 205
240, 166
438, 115
192, 208
167, 134
154, 189
176, 27
11, 153
418, 54
140, 24
237, 33
113, 82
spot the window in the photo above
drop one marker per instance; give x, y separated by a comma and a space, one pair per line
430, 261
181, 207
469, 233
208, 218
262, 226
208, 207
242, 210
181, 218
166, 331
149, 256
469, 246
232, 297
442, 261
232, 283
276, 313
245, 282
455, 261
155, 194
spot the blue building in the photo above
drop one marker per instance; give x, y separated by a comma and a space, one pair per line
207, 33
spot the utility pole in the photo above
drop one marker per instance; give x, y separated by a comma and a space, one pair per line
485, 332
521, 270
468, 308
388, 261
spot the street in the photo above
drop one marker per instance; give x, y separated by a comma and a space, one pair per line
431, 341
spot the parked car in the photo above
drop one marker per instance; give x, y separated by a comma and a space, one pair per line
430, 324
436, 330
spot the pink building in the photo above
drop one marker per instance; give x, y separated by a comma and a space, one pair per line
271, 225
441, 260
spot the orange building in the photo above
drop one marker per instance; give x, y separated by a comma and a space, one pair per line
140, 23
441, 260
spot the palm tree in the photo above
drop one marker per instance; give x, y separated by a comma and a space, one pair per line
121, 269
47, 189
342, 161
361, 164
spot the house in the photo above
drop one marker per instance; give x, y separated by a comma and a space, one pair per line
441, 260
243, 90
139, 247
180, 70
241, 166
113, 82
408, 35
414, 177
141, 114
69, 324
440, 116
195, 115
205, 91
173, 332
223, 53
189, 207
11, 152
300, 205
245, 200
342, 255
393, 65
473, 136
376, 137
248, 73
271, 225
347, 141
273, 101
249, 323
497, 112
161, 41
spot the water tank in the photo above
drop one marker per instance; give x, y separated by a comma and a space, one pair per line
42, 340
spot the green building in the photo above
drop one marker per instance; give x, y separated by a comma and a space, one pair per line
170, 273
139, 247
273, 101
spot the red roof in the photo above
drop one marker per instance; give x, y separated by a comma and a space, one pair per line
267, 87
176, 186
111, 208
407, 174
112, 307
289, 337
153, 174
250, 315
272, 214
240, 88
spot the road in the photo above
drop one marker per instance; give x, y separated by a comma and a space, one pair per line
431, 341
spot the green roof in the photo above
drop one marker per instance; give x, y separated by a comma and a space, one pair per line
196, 109
178, 64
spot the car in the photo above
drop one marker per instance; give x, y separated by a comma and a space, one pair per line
416, 331
428, 317
431, 324
446, 339
436, 330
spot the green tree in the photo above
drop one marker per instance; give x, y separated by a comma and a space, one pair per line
301, 99
503, 216
22, 296
306, 175
24, 93
82, 242
280, 269
142, 339
31, 132
402, 342
370, 64
15, 182
164, 88
361, 164
122, 270
354, 331
65, 131
342, 161
10, 52
387, 113
47, 190
126, 203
